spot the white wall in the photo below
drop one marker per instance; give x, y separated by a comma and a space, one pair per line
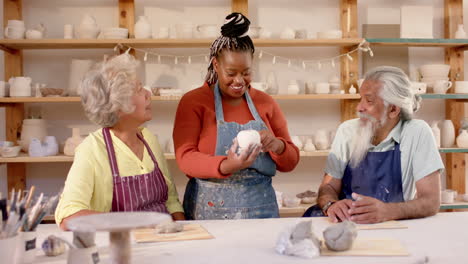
52, 67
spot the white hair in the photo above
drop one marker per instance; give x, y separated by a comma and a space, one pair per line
107, 89
396, 89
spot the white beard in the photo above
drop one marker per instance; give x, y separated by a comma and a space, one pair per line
362, 140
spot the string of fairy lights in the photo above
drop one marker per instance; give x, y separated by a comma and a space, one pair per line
262, 55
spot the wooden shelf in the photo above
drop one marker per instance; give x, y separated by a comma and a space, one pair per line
453, 150
24, 158
458, 204
407, 42
20, 44
445, 96
65, 99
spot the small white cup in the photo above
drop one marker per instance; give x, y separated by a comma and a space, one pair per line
68, 31
461, 87
441, 86
9, 249
322, 88
419, 87
163, 32
26, 250
447, 196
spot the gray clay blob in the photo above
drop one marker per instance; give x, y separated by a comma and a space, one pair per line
302, 231
340, 237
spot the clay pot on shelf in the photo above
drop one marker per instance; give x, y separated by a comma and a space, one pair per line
447, 134
32, 128
72, 142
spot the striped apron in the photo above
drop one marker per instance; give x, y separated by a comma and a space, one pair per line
144, 192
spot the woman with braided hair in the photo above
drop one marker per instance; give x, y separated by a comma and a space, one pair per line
224, 184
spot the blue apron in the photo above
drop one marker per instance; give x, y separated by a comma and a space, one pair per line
378, 176
247, 193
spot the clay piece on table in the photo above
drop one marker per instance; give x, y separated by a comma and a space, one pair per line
340, 237
169, 227
299, 240
307, 197
53, 246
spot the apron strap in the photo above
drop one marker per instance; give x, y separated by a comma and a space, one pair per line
110, 151
148, 148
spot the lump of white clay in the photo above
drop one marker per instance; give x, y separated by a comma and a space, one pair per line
169, 227
247, 137
299, 240
340, 237
53, 246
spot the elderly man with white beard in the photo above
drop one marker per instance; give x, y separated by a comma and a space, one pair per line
383, 165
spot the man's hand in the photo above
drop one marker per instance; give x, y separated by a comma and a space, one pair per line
368, 210
270, 142
236, 162
339, 211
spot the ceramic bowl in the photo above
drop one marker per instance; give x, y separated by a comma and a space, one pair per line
330, 34
291, 201
51, 91
115, 33
435, 70
10, 152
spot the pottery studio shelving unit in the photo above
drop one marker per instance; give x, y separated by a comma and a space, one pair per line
455, 158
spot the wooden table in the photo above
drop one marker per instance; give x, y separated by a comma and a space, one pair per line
439, 239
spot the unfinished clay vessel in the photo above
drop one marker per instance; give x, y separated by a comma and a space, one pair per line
340, 237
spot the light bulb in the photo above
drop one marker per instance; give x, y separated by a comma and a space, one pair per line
274, 59
289, 63
349, 57
304, 65
260, 55
159, 58
146, 56
189, 60
319, 65
333, 63
176, 60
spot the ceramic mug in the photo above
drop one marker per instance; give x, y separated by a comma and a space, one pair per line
461, 87
26, 247
447, 196
322, 88
441, 86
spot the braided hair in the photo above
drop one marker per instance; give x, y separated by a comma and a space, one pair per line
233, 38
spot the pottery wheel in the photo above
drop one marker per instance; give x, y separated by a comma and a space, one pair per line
119, 226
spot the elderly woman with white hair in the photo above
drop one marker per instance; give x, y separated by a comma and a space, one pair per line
379, 161
119, 167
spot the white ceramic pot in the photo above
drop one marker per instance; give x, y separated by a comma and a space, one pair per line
88, 29
143, 28
78, 68
293, 87
20, 86
462, 139
309, 145
436, 132
460, 33
33, 34
297, 141
72, 142
322, 139
208, 31
447, 134
32, 128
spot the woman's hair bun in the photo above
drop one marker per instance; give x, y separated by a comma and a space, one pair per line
235, 26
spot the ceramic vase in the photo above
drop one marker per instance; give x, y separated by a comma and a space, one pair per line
72, 142
78, 68
88, 28
309, 145
447, 134
143, 28
460, 33
462, 139
436, 132
321, 139
297, 141
32, 128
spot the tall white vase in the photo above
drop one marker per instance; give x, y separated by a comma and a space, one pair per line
447, 134
32, 128
143, 28
462, 139
78, 68
72, 142
436, 132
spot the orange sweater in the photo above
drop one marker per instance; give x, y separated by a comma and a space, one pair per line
195, 131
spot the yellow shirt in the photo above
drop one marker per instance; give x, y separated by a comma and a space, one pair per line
89, 183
